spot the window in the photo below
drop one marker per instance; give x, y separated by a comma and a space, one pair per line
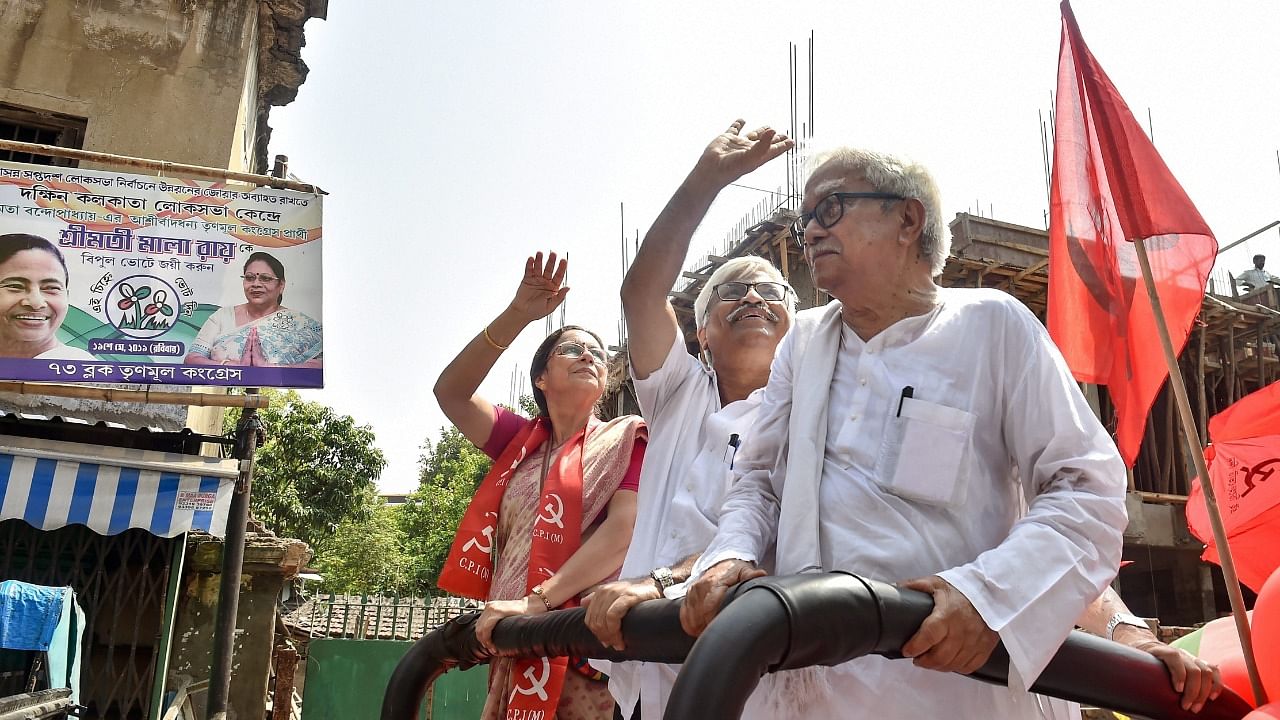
47, 128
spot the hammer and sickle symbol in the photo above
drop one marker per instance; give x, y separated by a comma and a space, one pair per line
487, 532
537, 682
1258, 473
554, 510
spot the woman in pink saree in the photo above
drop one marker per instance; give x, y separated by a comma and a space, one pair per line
554, 516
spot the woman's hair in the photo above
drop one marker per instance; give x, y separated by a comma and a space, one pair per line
542, 355
14, 243
276, 266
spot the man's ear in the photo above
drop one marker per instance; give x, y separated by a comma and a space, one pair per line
703, 349
913, 217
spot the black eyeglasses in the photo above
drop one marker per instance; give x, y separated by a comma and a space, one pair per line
830, 210
575, 350
768, 291
259, 277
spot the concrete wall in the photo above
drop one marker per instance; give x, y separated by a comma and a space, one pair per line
269, 563
155, 78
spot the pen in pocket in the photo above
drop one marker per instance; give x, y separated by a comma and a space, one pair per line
732, 452
907, 392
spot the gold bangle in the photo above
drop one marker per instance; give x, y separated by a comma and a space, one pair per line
537, 590
489, 339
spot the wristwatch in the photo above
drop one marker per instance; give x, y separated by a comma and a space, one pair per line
662, 576
1122, 618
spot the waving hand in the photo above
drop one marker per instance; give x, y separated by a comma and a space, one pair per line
542, 288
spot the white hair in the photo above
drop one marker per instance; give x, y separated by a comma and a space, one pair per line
740, 268
890, 174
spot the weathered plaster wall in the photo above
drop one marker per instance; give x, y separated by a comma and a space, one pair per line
155, 78
269, 563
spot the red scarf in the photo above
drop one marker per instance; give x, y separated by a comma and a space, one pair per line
557, 533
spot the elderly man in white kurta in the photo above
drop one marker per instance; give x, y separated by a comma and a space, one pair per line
926, 436
699, 410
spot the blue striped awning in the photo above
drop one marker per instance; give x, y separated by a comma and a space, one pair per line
51, 484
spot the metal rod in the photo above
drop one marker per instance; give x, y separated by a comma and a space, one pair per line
1196, 450
224, 629
165, 647
1257, 232
163, 166
196, 399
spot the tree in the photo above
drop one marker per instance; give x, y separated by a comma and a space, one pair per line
449, 472
367, 557
316, 469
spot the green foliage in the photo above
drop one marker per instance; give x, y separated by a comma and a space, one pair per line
449, 472
315, 471
366, 556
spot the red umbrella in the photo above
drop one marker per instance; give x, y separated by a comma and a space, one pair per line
1244, 464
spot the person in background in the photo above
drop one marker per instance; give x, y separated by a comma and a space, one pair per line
1255, 277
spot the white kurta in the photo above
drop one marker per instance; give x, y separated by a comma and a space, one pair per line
994, 474
684, 479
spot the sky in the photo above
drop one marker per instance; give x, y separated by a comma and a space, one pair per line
457, 138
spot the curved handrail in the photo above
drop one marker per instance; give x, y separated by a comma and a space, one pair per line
780, 623
651, 632
783, 623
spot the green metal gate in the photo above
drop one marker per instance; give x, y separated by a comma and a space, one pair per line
345, 680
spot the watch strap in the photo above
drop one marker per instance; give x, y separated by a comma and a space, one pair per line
1122, 618
663, 577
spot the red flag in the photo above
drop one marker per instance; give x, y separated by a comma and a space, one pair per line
1110, 187
1244, 465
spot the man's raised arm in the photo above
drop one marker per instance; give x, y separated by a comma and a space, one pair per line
650, 320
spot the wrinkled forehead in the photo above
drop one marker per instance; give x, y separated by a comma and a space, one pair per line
749, 275
582, 338
828, 178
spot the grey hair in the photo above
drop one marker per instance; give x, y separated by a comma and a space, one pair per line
737, 269
890, 174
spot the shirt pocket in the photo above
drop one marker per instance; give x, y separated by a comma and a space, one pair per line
925, 453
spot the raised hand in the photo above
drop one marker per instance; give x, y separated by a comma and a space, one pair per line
732, 155
541, 289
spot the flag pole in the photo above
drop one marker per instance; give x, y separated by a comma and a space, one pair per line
1197, 454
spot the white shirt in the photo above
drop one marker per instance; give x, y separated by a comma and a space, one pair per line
1254, 277
683, 481
994, 418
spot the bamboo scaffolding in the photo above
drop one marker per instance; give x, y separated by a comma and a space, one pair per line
1196, 450
161, 166
88, 392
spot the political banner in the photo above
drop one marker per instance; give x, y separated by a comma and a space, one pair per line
110, 277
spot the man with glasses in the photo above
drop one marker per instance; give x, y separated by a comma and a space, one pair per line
698, 410
920, 435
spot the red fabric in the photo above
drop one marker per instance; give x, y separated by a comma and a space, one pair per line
507, 423
1244, 464
468, 569
1110, 186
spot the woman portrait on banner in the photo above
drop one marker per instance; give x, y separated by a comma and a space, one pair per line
554, 515
261, 331
33, 299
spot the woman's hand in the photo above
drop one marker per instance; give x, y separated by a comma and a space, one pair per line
253, 355
540, 290
498, 609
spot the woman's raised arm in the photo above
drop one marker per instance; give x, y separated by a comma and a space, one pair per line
540, 292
